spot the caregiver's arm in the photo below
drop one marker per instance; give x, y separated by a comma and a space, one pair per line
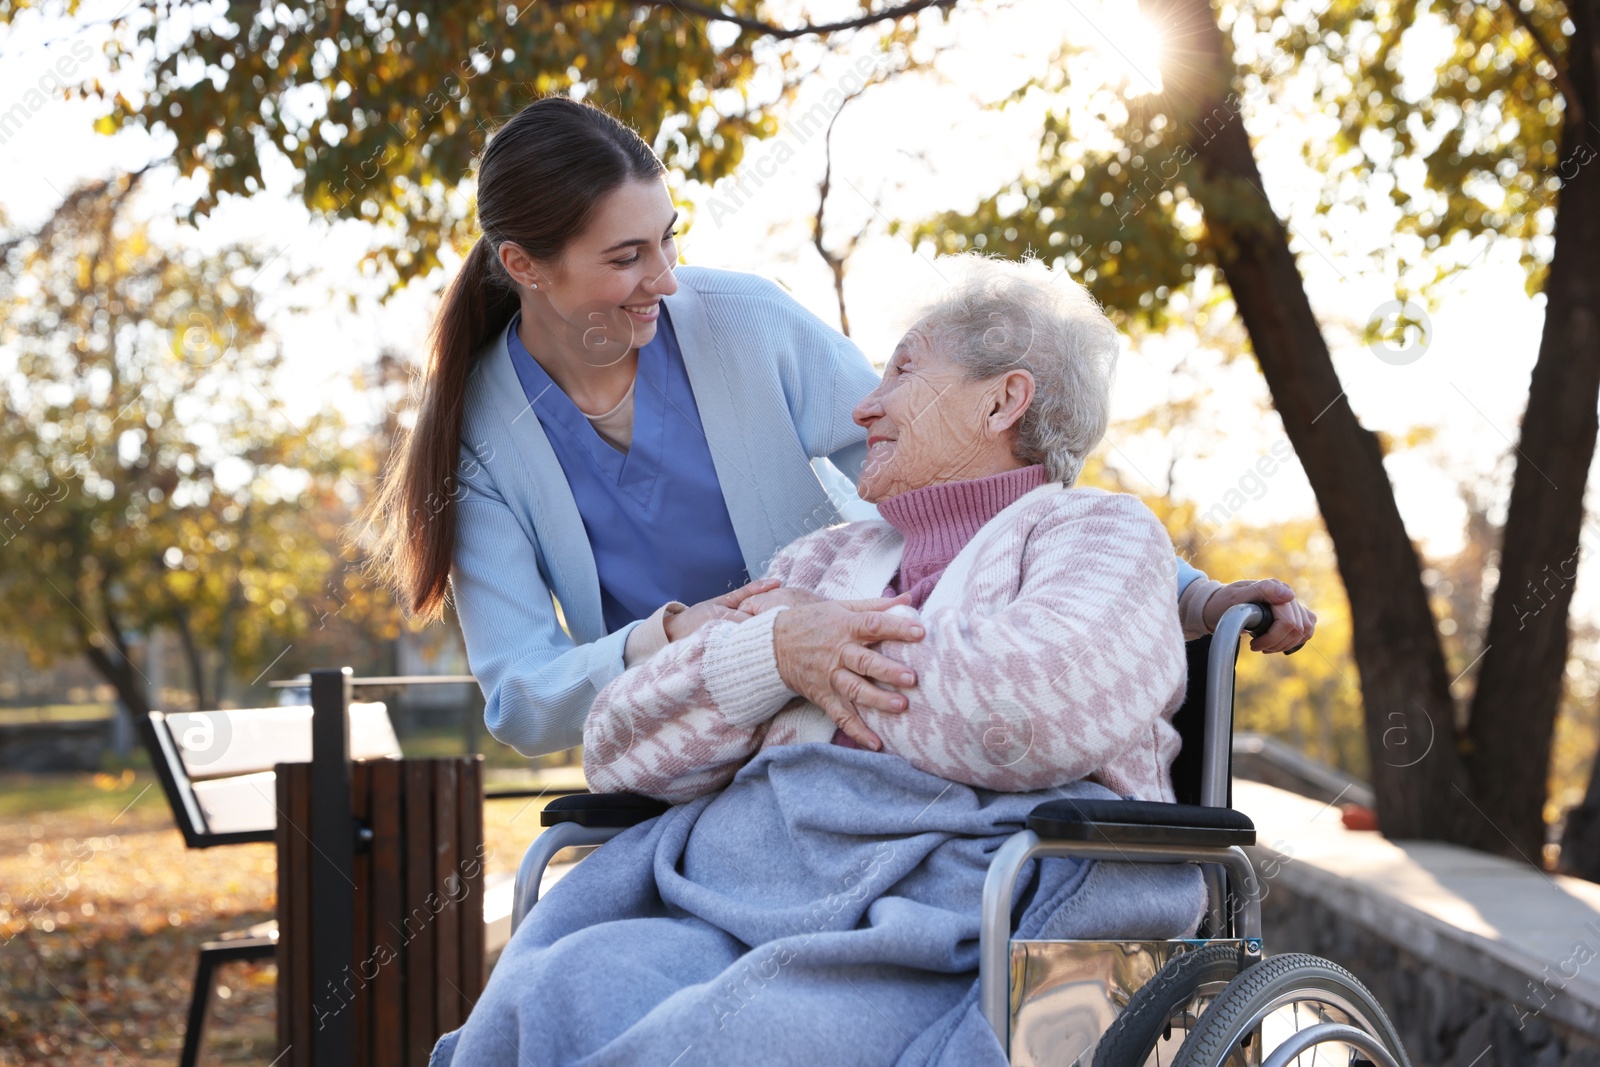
1292, 622
831, 432
1202, 601
1074, 672
537, 683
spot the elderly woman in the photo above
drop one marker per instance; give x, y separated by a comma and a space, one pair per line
814, 895
1052, 651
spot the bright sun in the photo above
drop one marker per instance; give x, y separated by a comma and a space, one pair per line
1130, 41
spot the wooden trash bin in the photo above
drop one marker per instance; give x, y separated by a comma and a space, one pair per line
416, 943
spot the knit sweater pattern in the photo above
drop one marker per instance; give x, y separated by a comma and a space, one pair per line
1052, 653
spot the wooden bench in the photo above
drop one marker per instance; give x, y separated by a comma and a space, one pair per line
216, 766
216, 769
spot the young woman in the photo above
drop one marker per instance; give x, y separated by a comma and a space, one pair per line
608, 449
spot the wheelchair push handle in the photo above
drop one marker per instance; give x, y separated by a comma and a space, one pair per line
1254, 619
1235, 622
1263, 624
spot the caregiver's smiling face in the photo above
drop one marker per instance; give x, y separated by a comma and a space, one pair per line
928, 423
601, 297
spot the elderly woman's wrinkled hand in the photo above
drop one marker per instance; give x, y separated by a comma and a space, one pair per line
686, 622
822, 654
1292, 622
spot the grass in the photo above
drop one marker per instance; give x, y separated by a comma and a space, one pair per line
55, 713
92, 798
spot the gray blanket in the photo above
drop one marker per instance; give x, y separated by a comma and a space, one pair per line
822, 909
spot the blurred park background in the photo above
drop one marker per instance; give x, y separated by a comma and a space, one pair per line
1353, 245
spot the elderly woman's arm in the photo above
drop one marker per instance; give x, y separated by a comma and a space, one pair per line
682, 723
1076, 672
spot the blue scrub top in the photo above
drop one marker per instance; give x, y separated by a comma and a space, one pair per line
656, 518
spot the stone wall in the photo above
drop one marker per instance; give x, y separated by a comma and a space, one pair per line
1446, 1018
54, 746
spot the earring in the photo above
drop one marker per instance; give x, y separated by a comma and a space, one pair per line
533, 285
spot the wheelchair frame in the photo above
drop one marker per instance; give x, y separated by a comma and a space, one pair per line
1210, 833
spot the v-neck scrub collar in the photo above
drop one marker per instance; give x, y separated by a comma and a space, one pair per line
656, 517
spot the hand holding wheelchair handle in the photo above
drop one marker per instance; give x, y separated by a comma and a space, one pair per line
1289, 624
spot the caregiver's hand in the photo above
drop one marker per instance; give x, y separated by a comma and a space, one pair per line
784, 596
725, 606
1292, 622
823, 655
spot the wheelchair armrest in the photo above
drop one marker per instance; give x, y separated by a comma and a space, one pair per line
601, 810
1141, 822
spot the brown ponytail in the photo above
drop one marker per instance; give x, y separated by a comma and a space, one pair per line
539, 179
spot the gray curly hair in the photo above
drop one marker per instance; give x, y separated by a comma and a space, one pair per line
998, 315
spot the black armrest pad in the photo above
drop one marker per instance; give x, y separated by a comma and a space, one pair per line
601, 809
1141, 822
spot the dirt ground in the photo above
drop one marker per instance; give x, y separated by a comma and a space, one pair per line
102, 909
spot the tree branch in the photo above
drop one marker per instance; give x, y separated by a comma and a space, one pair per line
835, 261
780, 33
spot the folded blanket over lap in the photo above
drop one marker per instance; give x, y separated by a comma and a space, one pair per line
823, 908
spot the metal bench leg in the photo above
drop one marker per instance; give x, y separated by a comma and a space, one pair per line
213, 953
197, 1008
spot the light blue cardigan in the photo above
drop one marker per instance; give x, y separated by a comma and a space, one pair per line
775, 386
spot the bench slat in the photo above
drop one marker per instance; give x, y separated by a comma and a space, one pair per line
241, 803
220, 744
446, 872
418, 925
388, 913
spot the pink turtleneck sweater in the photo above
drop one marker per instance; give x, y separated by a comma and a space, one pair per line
937, 521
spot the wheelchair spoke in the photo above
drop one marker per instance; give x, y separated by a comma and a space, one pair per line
1267, 999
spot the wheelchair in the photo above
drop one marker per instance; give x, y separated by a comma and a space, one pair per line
1213, 1000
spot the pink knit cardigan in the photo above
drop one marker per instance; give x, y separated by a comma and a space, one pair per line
1052, 653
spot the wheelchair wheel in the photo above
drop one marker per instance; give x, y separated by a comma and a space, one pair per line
1173, 999
1296, 1006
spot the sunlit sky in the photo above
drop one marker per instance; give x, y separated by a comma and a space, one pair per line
904, 150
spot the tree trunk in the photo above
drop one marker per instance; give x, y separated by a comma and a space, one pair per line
1520, 681
230, 611
111, 659
115, 667
1519, 685
191, 655
1410, 727
1580, 841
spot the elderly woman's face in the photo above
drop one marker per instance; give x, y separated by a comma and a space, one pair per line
927, 423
